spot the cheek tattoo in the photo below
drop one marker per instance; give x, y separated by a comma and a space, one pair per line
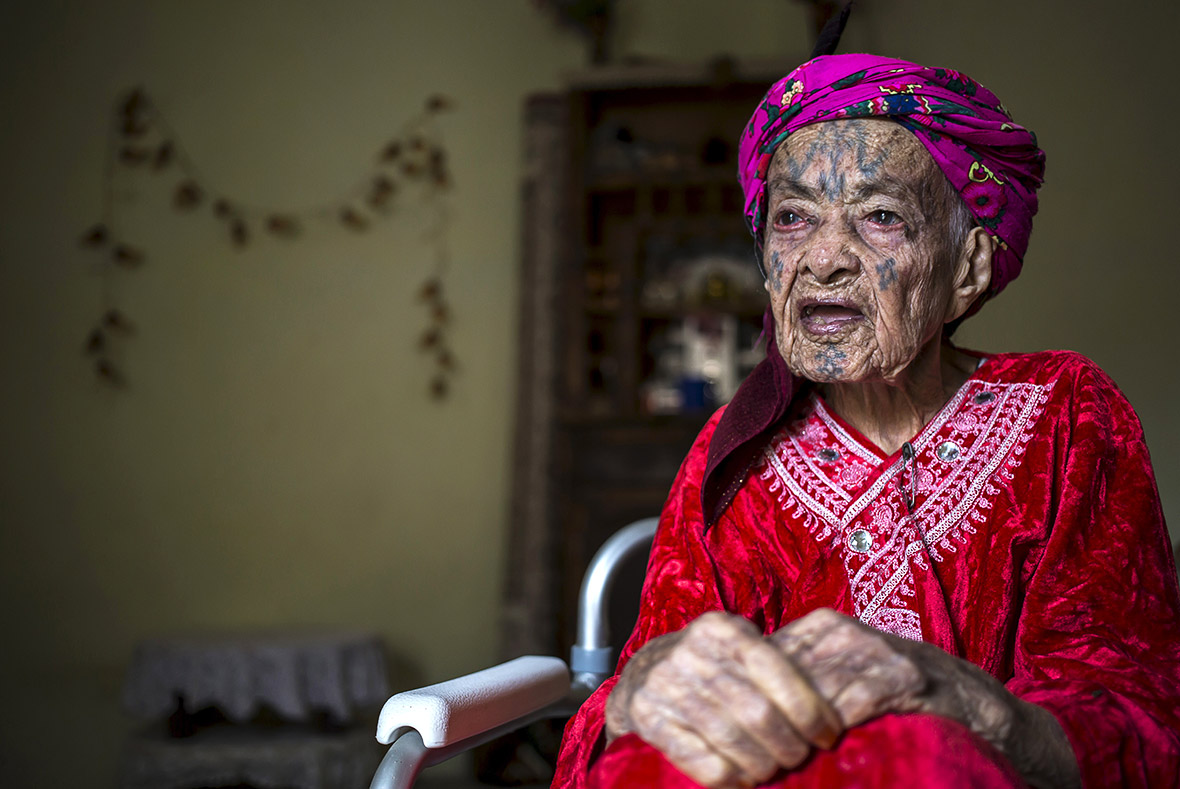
886, 274
776, 271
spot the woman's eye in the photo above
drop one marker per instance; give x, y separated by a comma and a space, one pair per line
788, 218
883, 217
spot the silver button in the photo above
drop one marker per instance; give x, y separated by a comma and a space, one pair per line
984, 397
860, 541
948, 451
827, 455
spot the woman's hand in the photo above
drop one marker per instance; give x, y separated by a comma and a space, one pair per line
865, 673
721, 703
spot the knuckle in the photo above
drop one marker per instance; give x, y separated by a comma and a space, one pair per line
689, 664
709, 619
765, 771
711, 625
719, 623
826, 615
756, 712
710, 771
794, 753
907, 673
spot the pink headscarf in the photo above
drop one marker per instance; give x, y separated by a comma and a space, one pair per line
994, 163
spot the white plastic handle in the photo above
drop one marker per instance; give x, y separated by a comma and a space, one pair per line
466, 706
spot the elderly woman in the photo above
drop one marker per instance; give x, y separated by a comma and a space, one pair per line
890, 559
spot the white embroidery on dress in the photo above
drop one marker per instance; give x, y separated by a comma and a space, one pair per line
990, 432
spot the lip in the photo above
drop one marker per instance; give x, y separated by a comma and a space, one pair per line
828, 316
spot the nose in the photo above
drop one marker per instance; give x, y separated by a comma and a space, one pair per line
830, 256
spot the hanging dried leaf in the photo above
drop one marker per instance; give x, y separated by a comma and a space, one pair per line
438, 168
416, 155
391, 151
118, 322
353, 220
239, 233
380, 192
165, 153
95, 341
133, 102
284, 226
128, 256
133, 126
188, 195
438, 103
132, 156
95, 236
382, 185
431, 290
108, 373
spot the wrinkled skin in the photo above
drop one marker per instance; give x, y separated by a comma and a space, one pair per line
862, 275
857, 225
731, 708
852, 217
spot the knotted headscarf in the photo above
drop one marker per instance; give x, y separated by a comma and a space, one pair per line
994, 164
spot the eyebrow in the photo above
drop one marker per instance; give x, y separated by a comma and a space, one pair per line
886, 185
781, 184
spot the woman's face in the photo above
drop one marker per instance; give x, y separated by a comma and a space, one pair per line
858, 255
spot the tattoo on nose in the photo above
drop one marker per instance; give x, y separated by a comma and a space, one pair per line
831, 361
886, 274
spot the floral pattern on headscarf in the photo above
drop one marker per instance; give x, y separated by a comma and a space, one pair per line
994, 163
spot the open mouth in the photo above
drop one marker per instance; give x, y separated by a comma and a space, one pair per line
829, 317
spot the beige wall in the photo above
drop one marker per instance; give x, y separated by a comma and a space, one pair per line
276, 460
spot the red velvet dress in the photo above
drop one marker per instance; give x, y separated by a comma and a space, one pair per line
1025, 536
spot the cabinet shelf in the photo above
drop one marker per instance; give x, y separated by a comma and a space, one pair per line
641, 304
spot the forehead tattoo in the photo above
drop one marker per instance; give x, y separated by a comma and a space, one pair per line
878, 157
837, 146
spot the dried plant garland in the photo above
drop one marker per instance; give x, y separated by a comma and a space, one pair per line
140, 139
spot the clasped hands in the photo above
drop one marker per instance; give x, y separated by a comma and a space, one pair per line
730, 707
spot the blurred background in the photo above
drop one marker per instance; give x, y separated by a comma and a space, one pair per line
415, 415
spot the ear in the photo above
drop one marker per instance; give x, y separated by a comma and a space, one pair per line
973, 272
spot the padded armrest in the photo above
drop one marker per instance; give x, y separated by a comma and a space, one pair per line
460, 708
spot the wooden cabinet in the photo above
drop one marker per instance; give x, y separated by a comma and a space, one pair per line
641, 308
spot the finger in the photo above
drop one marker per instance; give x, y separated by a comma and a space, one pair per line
810, 628
788, 688
690, 753
753, 712
712, 695
742, 722
894, 687
859, 669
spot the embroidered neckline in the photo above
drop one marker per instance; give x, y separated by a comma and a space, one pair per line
856, 441
839, 489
